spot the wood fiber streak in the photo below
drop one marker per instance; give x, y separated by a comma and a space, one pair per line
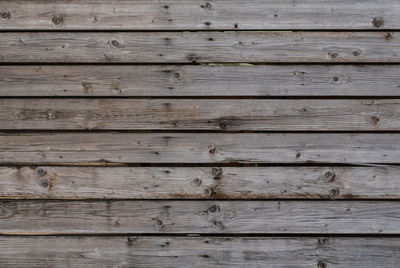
199, 14
180, 217
133, 251
113, 147
199, 47
200, 182
189, 114
188, 80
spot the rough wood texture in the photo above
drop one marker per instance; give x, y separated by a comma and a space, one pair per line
173, 217
198, 14
199, 148
134, 251
191, 47
188, 80
192, 114
200, 182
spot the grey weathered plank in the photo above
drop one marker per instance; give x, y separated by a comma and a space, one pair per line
186, 47
198, 14
177, 217
200, 182
152, 251
205, 114
199, 148
176, 80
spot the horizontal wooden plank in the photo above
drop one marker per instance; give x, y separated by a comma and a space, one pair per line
177, 217
200, 182
152, 251
199, 15
199, 148
201, 47
199, 80
204, 114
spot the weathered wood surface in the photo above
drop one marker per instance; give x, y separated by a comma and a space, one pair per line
152, 251
202, 47
200, 182
199, 15
179, 217
194, 114
189, 80
199, 148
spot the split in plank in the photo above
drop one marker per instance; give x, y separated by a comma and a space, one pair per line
153, 251
199, 80
200, 114
198, 14
199, 47
101, 148
180, 217
200, 182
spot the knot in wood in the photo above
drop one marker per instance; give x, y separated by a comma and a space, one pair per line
212, 149
41, 172
45, 184
57, 20
321, 264
5, 15
378, 22
206, 5
330, 175
217, 173
208, 192
214, 209
196, 182
333, 55
115, 43
335, 192
223, 125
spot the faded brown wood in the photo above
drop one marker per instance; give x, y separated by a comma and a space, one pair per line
153, 251
202, 47
206, 114
113, 147
198, 15
200, 182
189, 80
180, 217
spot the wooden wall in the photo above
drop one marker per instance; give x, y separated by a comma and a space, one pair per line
199, 133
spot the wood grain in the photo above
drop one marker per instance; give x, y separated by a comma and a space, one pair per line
200, 182
199, 15
200, 80
180, 217
113, 147
134, 251
206, 114
199, 47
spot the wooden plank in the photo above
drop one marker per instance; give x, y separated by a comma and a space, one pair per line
200, 182
201, 47
199, 15
205, 114
103, 148
177, 217
152, 251
189, 80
